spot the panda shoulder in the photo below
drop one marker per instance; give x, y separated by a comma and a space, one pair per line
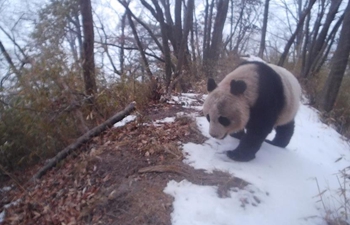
287, 77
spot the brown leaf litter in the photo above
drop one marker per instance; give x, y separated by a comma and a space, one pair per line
120, 179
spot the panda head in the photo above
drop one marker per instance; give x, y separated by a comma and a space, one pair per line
225, 107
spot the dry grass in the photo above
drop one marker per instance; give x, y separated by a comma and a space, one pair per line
336, 213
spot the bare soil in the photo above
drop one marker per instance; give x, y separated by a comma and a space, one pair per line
117, 178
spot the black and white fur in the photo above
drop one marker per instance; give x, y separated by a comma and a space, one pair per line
251, 101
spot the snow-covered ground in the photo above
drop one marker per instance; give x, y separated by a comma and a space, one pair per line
285, 184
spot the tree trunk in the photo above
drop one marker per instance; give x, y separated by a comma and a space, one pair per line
297, 29
299, 37
306, 42
178, 27
216, 41
264, 28
327, 47
199, 52
159, 15
207, 31
88, 48
319, 42
338, 65
231, 26
218, 28
183, 43
193, 44
122, 44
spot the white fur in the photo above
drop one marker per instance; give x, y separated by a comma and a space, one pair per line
292, 94
236, 108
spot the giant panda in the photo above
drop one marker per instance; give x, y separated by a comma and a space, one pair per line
249, 103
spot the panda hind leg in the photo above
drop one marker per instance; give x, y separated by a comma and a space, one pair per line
284, 134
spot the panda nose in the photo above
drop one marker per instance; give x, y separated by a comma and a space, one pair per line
213, 135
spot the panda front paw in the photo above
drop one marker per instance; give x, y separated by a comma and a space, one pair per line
270, 142
240, 156
239, 135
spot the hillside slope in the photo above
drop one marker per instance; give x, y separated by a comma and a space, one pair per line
160, 169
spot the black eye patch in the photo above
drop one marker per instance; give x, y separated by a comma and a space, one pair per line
208, 117
224, 121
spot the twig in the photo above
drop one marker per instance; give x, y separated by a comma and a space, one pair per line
320, 194
343, 193
13, 178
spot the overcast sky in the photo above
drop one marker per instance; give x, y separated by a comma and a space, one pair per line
17, 17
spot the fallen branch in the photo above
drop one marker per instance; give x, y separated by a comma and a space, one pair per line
164, 169
84, 138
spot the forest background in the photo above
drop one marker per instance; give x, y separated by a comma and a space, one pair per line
68, 65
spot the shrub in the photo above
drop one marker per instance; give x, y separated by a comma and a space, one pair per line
38, 121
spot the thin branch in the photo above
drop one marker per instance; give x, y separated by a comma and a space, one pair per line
143, 24
140, 47
299, 26
9, 61
131, 49
105, 47
14, 42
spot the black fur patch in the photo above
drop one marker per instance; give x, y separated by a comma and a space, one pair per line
283, 135
239, 135
208, 117
238, 87
270, 101
211, 85
263, 114
224, 121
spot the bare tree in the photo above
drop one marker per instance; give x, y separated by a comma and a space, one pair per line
338, 65
243, 25
88, 46
183, 44
263, 30
105, 46
122, 43
140, 47
319, 41
295, 33
207, 28
216, 41
158, 14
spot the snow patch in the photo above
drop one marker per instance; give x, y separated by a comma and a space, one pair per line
165, 120
5, 189
204, 207
2, 216
188, 100
124, 121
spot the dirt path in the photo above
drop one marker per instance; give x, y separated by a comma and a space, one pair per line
120, 179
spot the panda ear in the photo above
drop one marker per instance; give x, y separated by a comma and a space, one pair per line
238, 87
211, 85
